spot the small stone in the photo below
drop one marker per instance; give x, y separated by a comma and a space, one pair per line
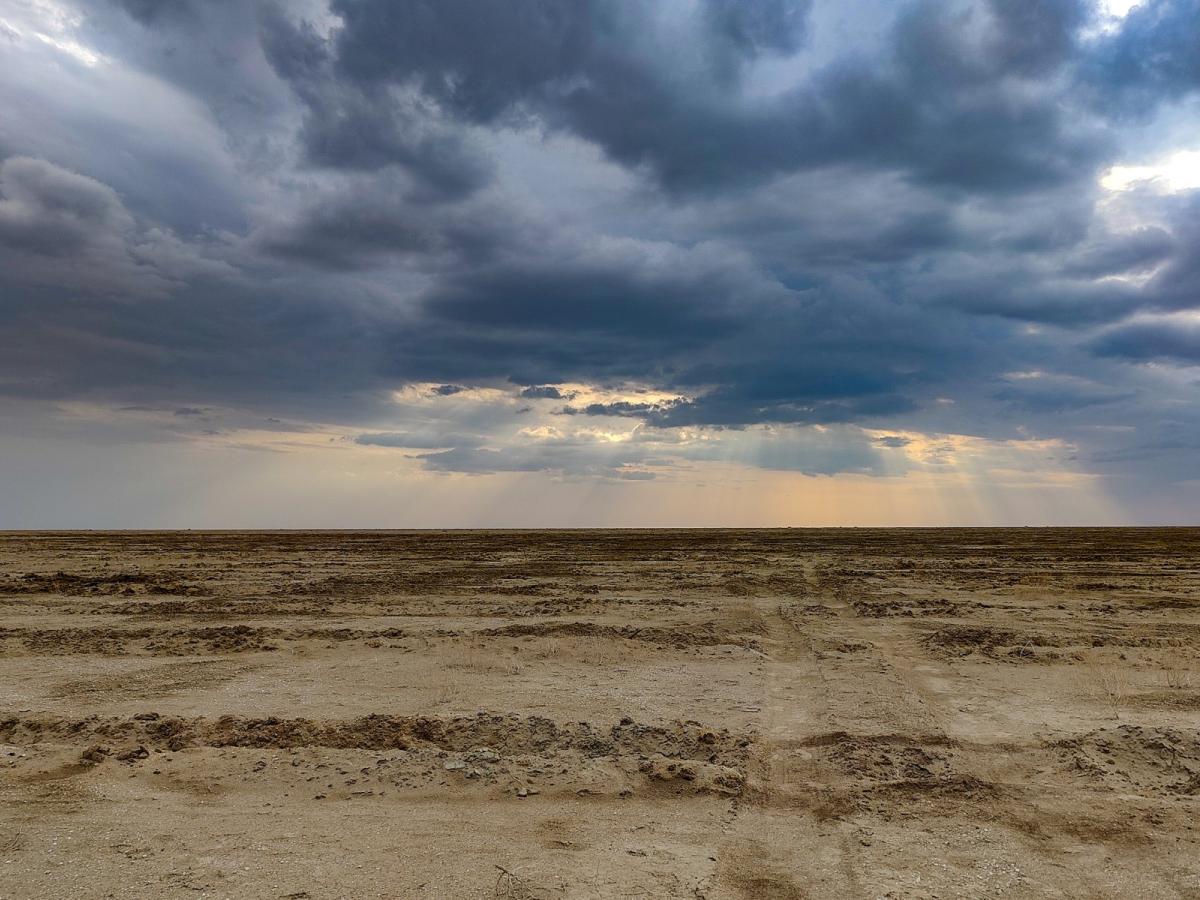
94, 754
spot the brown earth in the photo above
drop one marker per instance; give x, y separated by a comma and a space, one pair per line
700, 714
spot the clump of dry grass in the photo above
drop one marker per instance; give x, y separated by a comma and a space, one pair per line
1112, 685
482, 661
1176, 678
787, 771
1105, 683
512, 886
589, 651
452, 683
444, 693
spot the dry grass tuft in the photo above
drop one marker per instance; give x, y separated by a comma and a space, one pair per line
481, 661
1105, 683
1176, 678
512, 886
588, 651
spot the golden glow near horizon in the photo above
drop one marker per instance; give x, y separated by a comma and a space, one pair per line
701, 476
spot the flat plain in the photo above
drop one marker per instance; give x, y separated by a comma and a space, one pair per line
700, 714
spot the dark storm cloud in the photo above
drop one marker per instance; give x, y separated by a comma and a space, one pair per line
49, 211
66, 231
348, 235
365, 220
368, 125
1137, 251
492, 56
1170, 340
671, 305
1176, 284
298, 209
749, 350
770, 25
619, 408
1034, 36
1064, 302
944, 104
1051, 393
545, 392
416, 440
371, 130
1153, 55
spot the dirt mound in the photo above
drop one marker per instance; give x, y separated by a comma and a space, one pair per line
683, 756
765, 584
839, 774
1030, 645
887, 759
1000, 643
505, 734
132, 641
794, 612
1185, 602
349, 634
89, 585
893, 605
1169, 700
705, 635
1149, 760
963, 640
158, 641
466, 577
212, 607
882, 760
920, 767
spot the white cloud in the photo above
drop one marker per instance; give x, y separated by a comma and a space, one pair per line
52, 24
1110, 14
1178, 172
1118, 9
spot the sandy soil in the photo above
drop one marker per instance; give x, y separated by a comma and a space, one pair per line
709, 714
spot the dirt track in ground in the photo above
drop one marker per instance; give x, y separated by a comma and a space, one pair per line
717, 714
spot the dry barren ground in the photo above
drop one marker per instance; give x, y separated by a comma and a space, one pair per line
601, 714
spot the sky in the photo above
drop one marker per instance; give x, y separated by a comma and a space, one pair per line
539, 263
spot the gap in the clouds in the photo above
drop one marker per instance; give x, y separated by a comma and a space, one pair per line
1110, 14
1172, 173
1118, 9
54, 25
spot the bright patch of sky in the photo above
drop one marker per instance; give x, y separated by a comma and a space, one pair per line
1180, 171
50, 23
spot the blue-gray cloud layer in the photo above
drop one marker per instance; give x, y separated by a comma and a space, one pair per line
771, 209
